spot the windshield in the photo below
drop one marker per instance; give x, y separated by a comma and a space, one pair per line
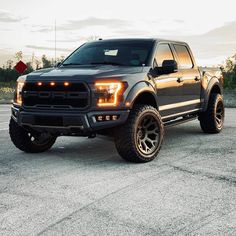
111, 53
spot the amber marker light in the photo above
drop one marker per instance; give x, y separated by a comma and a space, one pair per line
39, 83
66, 84
127, 104
108, 93
52, 83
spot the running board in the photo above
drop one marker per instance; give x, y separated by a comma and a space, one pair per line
180, 121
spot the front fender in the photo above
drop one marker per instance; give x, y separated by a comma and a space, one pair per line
138, 89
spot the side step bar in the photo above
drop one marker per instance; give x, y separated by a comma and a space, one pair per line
180, 121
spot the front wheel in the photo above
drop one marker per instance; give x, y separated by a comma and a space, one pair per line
140, 138
27, 141
212, 119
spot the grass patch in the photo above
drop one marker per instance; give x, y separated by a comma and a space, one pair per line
7, 91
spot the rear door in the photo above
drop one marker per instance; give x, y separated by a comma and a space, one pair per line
190, 79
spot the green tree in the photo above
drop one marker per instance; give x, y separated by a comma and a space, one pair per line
9, 64
29, 68
19, 55
46, 63
229, 72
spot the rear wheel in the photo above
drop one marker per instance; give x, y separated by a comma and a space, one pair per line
29, 141
212, 119
140, 138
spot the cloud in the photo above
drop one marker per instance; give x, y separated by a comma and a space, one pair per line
167, 21
48, 48
8, 17
225, 32
70, 40
81, 24
6, 30
132, 32
178, 21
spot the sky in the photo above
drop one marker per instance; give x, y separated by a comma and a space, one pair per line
208, 26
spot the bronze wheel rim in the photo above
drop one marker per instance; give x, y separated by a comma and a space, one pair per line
219, 117
148, 135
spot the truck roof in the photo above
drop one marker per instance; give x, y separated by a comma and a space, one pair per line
140, 40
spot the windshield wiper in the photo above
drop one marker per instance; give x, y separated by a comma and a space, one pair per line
107, 63
72, 64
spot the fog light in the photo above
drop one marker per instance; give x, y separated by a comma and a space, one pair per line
104, 118
99, 118
114, 117
108, 118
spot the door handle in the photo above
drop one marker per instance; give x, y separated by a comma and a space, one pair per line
197, 78
179, 80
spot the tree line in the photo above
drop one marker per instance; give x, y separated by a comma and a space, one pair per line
9, 74
229, 72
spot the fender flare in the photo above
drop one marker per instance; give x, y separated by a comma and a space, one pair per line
206, 92
138, 89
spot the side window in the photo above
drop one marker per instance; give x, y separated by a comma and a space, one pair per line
185, 61
163, 53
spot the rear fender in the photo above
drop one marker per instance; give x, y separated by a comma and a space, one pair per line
214, 85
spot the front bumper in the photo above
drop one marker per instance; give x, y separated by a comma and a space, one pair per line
63, 122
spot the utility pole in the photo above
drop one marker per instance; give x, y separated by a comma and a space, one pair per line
55, 41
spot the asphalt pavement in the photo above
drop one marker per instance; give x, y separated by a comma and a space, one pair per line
82, 187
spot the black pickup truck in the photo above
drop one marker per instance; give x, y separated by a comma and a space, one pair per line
130, 88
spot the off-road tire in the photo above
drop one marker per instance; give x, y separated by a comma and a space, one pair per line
22, 139
212, 120
128, 139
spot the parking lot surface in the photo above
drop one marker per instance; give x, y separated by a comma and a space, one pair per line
82, 187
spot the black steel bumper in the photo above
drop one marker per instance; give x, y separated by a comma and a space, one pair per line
67, 122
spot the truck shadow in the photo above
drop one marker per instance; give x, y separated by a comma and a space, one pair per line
103, 148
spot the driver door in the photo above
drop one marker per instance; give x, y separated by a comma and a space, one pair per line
169, 88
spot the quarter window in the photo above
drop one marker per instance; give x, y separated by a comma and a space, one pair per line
185, 61
163, 53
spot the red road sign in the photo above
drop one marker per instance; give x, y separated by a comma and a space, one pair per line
20, 67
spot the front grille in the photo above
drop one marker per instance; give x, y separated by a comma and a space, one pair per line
75, 95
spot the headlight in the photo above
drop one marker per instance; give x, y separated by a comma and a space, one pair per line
19, 88
108, 93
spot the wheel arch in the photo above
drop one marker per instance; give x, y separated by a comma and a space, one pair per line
142, 93
214, 86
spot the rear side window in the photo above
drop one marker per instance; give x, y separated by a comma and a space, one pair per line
163, 53
185, 61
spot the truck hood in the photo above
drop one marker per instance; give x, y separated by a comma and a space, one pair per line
87, 73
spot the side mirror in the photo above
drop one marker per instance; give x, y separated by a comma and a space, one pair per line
169, 66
